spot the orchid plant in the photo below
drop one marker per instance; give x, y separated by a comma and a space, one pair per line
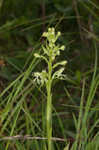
50, 51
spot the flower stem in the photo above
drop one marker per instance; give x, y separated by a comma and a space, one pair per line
49, 105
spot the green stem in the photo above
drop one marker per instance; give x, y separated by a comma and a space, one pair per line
49, 106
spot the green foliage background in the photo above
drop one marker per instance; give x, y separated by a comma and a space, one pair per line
21, 26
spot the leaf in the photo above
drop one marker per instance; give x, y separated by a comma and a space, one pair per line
66, 147
78, 76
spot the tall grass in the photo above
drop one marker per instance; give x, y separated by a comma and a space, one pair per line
84, 136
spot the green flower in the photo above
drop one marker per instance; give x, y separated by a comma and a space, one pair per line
50, 50
40, 78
